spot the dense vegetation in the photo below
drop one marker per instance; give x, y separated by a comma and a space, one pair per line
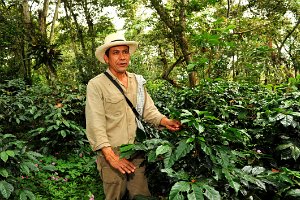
238, 141
229, 70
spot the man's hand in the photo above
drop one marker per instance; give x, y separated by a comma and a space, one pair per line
123, 165
171, 124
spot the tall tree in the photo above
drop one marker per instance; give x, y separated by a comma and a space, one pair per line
54, 20
29, 37
70, 6
177, 26
43, 18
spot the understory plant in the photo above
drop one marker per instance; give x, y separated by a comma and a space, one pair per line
238, 141
37, 122
49, 117
16, 162
71, 177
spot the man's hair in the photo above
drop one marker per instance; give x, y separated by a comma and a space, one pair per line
107, 50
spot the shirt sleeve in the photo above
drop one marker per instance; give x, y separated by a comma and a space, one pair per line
151, 113
95, 118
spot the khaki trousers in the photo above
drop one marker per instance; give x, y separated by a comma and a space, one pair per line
115, 183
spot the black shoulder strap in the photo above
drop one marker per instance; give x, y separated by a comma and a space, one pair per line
127, 100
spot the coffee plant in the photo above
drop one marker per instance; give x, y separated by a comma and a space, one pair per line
238, 141
17, 162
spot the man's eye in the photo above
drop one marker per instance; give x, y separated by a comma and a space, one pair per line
126, 52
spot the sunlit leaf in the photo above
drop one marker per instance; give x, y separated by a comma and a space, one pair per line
284, 146
10, 153
180, 175
63, 133
258, 170
186, 113
294, 193
26, 194
163, 149
287, 120
177, 189
211, 193
295, 152
4, 172
6, 189
196, 193
236, 186
199, 127
4, 156
182, 150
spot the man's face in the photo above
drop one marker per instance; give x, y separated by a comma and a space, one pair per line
118, 58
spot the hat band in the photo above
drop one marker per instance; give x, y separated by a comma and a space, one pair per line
116, 40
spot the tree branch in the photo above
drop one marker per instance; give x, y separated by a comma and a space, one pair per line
53, 21
163, 14
288, 35
167, 72
228, 8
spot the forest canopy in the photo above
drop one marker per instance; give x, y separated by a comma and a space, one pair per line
180, 41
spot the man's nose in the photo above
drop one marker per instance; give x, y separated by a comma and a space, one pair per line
122, 55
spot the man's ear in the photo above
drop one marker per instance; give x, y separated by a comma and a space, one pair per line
105, 58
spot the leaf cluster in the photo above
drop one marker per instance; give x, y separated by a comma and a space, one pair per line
50, 117
17, 162
238, 141
66, 178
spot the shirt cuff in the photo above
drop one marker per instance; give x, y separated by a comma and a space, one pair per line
99, 147
157, 123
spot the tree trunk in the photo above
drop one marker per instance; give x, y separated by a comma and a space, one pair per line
288, 35
166, 69
184, 43
24, 44
178, 29
90, 23
78, 28
73, 35
42, 19
54, 20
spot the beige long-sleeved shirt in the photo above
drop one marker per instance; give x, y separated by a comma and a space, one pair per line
109, 119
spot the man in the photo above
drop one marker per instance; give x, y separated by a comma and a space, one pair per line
110, 122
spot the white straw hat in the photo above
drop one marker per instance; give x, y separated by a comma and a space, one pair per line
114, 39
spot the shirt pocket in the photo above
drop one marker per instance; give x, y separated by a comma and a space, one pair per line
115, 105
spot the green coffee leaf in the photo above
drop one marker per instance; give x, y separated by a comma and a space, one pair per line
4, 172
211, 193
4, 156
177, 189
196, 193
26, 194
6, 189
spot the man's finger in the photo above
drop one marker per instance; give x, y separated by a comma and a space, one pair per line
128, 165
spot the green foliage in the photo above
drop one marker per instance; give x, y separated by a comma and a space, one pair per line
16, 162
52, 118
238, 141
48, 120
69, 178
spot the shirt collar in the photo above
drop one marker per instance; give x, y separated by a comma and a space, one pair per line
130, 75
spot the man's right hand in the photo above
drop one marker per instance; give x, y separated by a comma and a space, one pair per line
123, 165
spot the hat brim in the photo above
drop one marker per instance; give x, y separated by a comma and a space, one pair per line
100, 51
